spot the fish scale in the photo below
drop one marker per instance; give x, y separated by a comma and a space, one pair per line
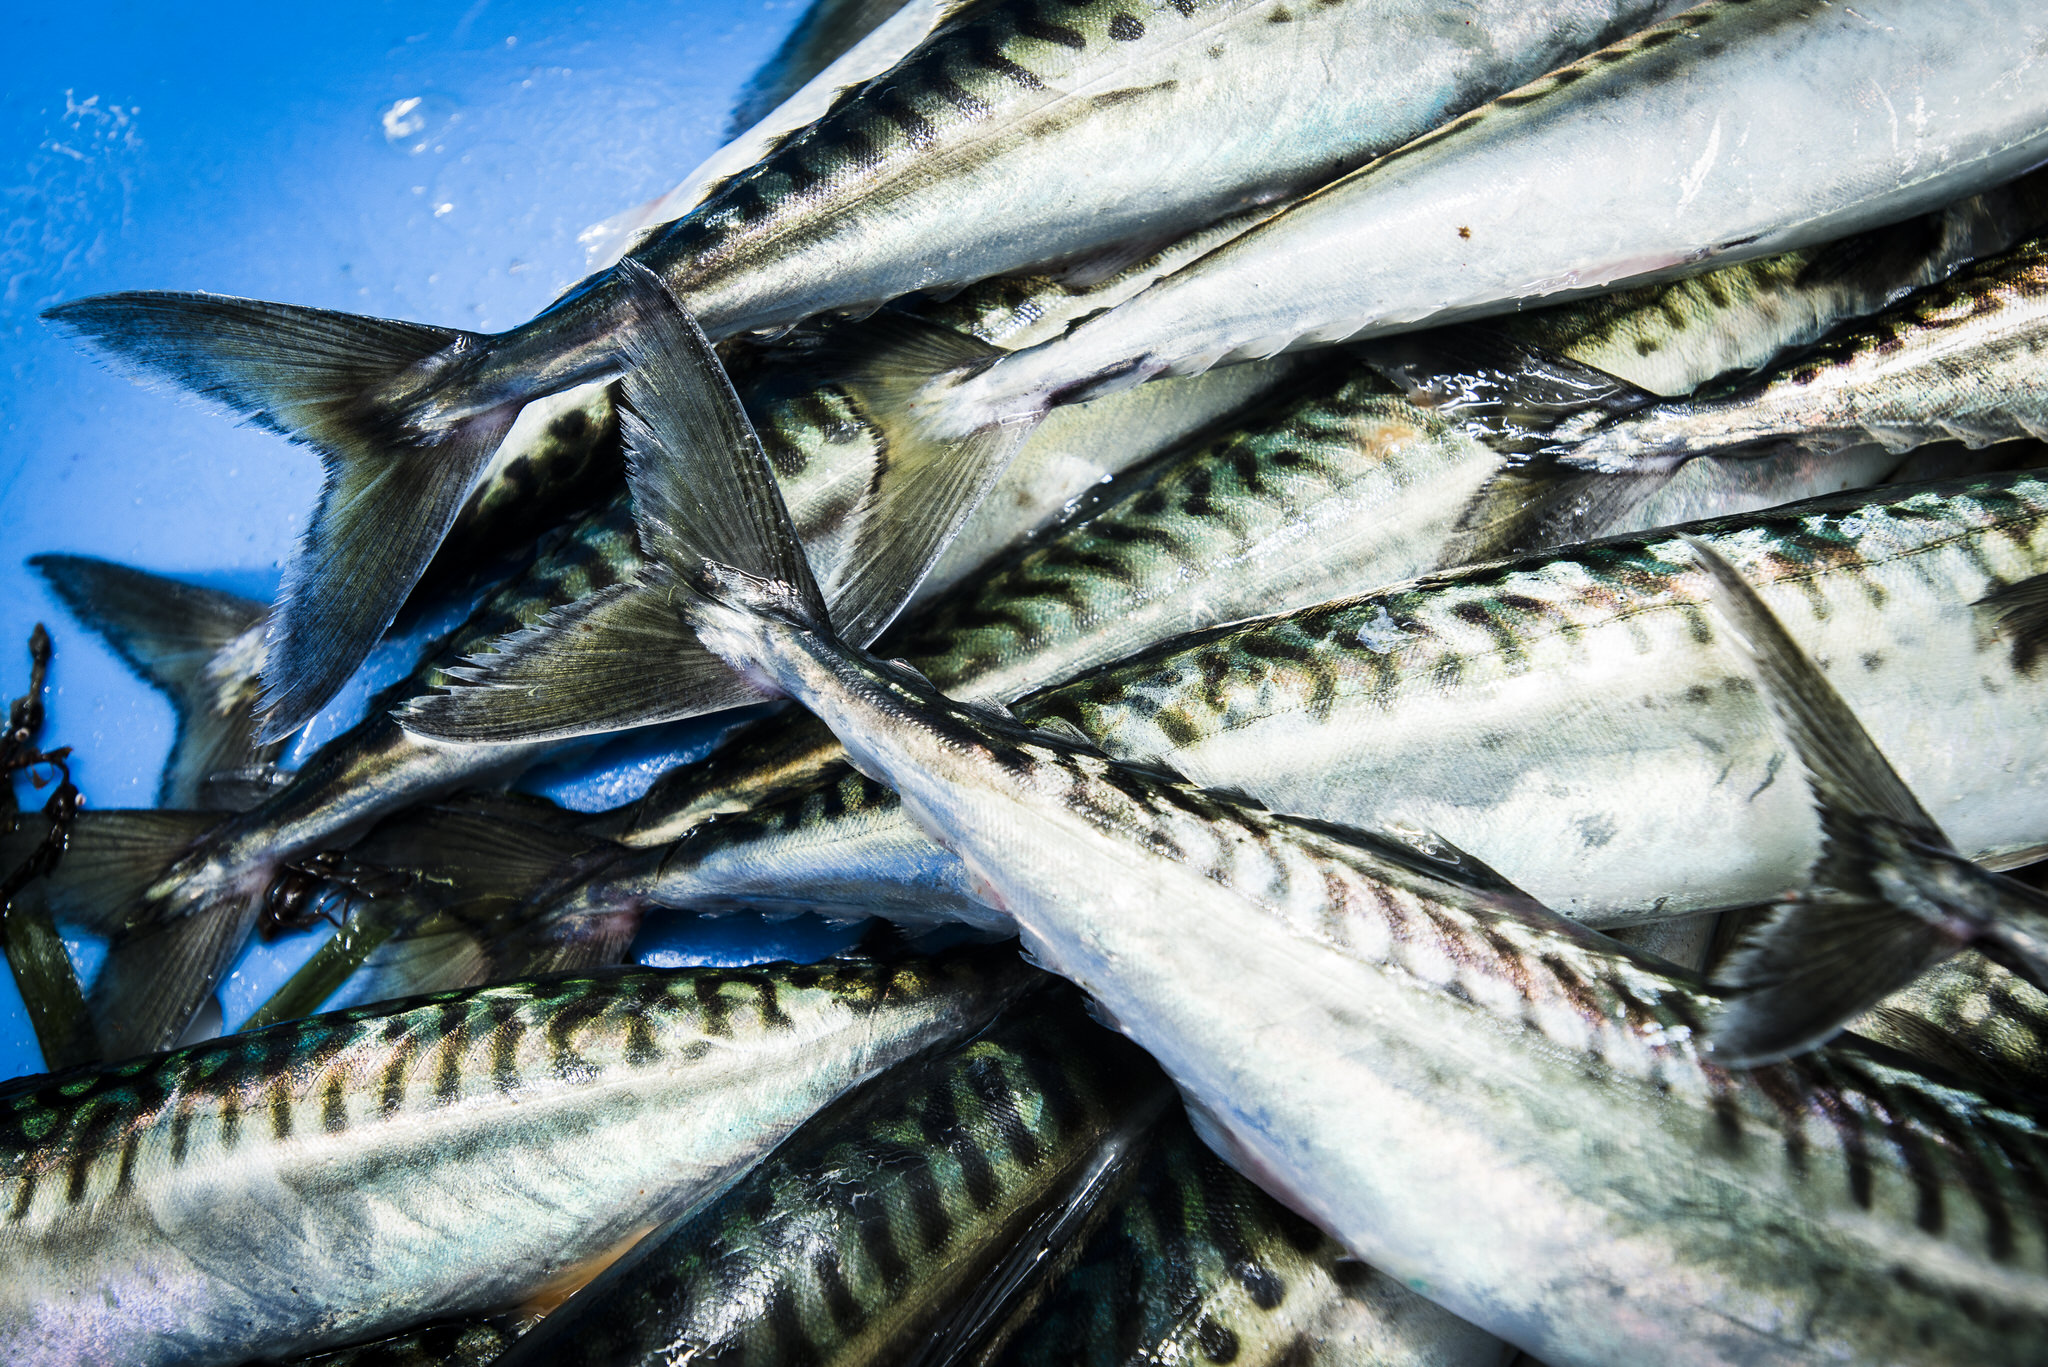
324, 1181
1576, 720
875, 1229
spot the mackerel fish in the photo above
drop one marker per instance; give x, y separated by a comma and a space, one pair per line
775, 824
1498, 1107
352, 1175
1737, 129
1574, 719
1683, 333
895, 1228
1018, 133
1960, 360
208, 879
1198, 1265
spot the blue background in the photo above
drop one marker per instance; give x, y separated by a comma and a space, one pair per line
430, 161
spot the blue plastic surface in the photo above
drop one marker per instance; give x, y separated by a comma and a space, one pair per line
429, 161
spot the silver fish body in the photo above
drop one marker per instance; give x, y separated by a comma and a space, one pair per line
1731, 130
1958, 360
1572, 718
330, 1180
1024, 132
1496, 1106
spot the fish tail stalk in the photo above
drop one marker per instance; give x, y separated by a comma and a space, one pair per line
633, 653
405, 417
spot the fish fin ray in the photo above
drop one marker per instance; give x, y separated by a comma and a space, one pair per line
380, 518
157, 976
923, 488
1538, 504
1847, 773
1812, 966
2019, 613
615, 659
201, 647
110, 860
313, 375
703, 489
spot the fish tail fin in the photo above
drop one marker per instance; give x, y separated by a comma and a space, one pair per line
347, 386
929, 478
159, 969
1826, 956
110, 860
201, 647
2019, 613
1537, 504
159, 974
704, 494
1554, 415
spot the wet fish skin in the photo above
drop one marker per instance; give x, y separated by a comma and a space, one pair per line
326, 1181
1586, 731
1683, 136
873, 1234
1550, 1156
1046, 120
1197, 1264
1957, 360
1670, 339
1974, 1018
1534, 1088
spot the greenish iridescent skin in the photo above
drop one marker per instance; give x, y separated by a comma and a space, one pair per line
1958, 360
1972, 1017
876, 1228
1198, 1265
1574, 719
1669, 339
1498, 1107
348, 1176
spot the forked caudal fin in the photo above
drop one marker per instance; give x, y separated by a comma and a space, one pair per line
200, 646
1891, 896
339, 383
704, 493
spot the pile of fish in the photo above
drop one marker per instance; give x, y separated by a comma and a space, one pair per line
1470, 582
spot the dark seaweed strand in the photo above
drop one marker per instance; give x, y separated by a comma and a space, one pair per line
77, 1132
1188, 512
966, 71
1207, 682
868, 1224
1194, 1260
